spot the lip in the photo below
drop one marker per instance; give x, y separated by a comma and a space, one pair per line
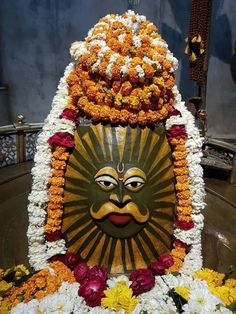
119, 219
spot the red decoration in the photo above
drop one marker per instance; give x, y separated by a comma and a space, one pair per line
142, 281
63, 139
92, 290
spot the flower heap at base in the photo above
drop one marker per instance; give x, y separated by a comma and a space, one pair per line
122, 74
55, 290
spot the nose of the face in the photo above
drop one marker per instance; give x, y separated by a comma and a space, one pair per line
120, 201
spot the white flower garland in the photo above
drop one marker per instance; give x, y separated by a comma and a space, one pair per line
156, 301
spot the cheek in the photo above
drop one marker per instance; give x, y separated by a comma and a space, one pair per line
97, 196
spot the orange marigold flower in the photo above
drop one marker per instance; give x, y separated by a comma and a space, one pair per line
40, 282
72, 79
183, 195
58, 164
55, 190
133, 75
55, 214
126, 88
91, 92
54, 206
159, 81
57, 181
53, 222
181, 171
60, 153
58, 173
55, 198
182, 179
179, 155
116, 85
148, 69
184, 217
180, 163
76, 92
50, 228
184, 210
181, 186
39, 294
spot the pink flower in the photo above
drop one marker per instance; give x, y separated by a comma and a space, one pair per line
97, 272
142, 281
52, 236
69, 259
184, 225
176, 131
92, 290
166, 260
69, 114
81, 272
64, 139
157, 268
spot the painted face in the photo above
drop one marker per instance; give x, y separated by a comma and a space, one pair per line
119, 196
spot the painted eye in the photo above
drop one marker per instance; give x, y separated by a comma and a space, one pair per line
134, 183
106, 183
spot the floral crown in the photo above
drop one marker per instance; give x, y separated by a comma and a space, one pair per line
124, 72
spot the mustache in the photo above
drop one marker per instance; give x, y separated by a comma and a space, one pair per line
130, 208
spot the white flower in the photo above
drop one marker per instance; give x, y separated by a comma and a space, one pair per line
56, 303
201, 301
30, 307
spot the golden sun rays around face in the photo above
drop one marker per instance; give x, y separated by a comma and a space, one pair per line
119, 196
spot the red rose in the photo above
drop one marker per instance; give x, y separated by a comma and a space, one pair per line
184, 225
92, 290
64, 139
97, 272
174, 112
157, 268
81, 272
178, 243
176, 131
69, 114
166, 260
52, 236
69, 259
142, 281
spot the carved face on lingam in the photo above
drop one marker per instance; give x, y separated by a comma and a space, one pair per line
119, 196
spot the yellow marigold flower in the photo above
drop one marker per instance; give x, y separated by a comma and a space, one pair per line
120, 297
183, 292
226, 294
4, 286
231, 283
210, 276
20, 271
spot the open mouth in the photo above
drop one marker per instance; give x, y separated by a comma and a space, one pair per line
119, 219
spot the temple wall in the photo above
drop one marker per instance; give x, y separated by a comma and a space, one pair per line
36, 36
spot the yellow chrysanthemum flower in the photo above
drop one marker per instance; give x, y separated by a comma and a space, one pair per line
212, 278
120, 297
226, 294
183, 292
